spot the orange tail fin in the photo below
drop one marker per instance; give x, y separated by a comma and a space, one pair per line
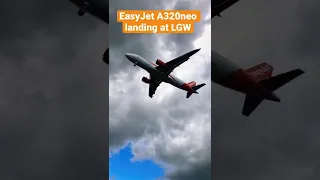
192, 84
261, 71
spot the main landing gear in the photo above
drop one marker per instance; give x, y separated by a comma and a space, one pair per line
83, 10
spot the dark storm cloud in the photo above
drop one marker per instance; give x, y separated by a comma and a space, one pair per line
201, 171
54, 92
279, 140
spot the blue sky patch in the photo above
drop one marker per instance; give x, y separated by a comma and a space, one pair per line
121, 168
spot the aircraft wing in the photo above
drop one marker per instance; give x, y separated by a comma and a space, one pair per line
153, 86
171, 65
221, 5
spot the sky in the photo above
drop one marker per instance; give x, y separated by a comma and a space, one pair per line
163, 131
55, 96
121, 167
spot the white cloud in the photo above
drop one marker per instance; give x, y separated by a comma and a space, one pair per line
170, 129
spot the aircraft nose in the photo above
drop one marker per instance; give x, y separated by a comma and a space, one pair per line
128, 55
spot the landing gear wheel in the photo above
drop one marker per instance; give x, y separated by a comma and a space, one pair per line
86, 4
83, 9
81, 12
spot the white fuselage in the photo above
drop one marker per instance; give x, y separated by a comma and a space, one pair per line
221, 67
154, 72
228, 74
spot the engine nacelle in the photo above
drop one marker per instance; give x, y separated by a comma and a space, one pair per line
146, 80
105, 57
161, 63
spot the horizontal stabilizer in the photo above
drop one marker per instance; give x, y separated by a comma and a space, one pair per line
272, 84
195, 88
189, 94
277, 81
250, 104
198, 86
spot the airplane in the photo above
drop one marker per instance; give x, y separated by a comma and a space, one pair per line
257, 82
97, 8
220, 5
160, 72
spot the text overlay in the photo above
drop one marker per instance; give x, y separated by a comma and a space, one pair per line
158, 21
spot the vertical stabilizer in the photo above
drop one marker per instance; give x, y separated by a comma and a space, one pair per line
261, 71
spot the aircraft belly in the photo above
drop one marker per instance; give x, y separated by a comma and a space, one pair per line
221, 67
238, 81
228, 74
218, 73
175, 81
147, 66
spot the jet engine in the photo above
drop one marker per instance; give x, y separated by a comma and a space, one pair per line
146, 80
161, 63
105, 57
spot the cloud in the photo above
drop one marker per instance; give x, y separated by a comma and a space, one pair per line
169, 129
279, 140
